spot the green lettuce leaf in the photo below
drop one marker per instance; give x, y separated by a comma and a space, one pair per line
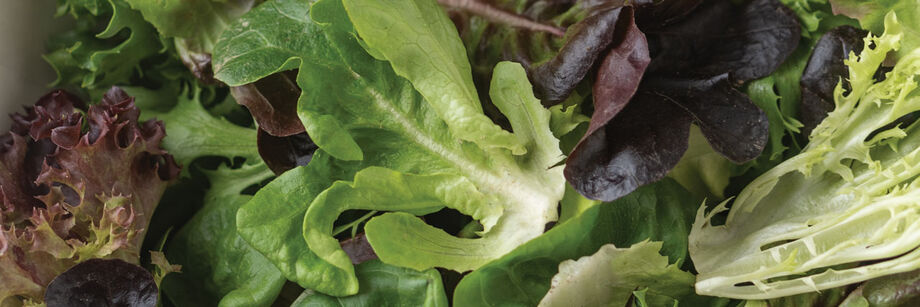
661, 211
827, 298
840, 212
215, 260
274, 226
193, 132
385, 285
413, 145
222, 269
95, 60
609, 277
194, 26
703, 171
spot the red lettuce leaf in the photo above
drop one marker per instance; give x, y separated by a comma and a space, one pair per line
272, 101
590, 38
76, 187
619, 75
284, 153
638, 147
696, 60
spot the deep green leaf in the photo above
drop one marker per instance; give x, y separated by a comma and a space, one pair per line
218, 267
385, 285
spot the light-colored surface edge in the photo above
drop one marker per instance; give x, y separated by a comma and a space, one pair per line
24, 75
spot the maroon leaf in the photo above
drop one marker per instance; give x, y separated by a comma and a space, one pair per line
732, 124
284, 153
555, 79
695, 62
637, 147
73, 191
619, 75
273, 103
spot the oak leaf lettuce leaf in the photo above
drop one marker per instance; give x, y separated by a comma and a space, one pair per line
214, 258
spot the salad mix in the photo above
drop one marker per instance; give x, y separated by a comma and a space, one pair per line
469, 153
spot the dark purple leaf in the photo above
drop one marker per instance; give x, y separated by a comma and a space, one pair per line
652, 14
695, 62
748, 41
273, 103
732, 124
639, 146
764, 33
284, 153
824, 70
555, 79
98, 282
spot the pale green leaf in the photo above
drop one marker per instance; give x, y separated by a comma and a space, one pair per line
609, 277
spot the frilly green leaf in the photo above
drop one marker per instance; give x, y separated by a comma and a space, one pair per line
847, 199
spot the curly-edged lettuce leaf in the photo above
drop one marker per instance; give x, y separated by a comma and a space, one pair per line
76, 185
843, 210
215, 261
611, 275
385, 285
95, 59
405, 135
661, 211
194, 25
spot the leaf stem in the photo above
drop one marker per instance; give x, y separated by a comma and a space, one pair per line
497, 15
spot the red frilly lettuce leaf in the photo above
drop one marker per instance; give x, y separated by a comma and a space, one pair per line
76, 187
